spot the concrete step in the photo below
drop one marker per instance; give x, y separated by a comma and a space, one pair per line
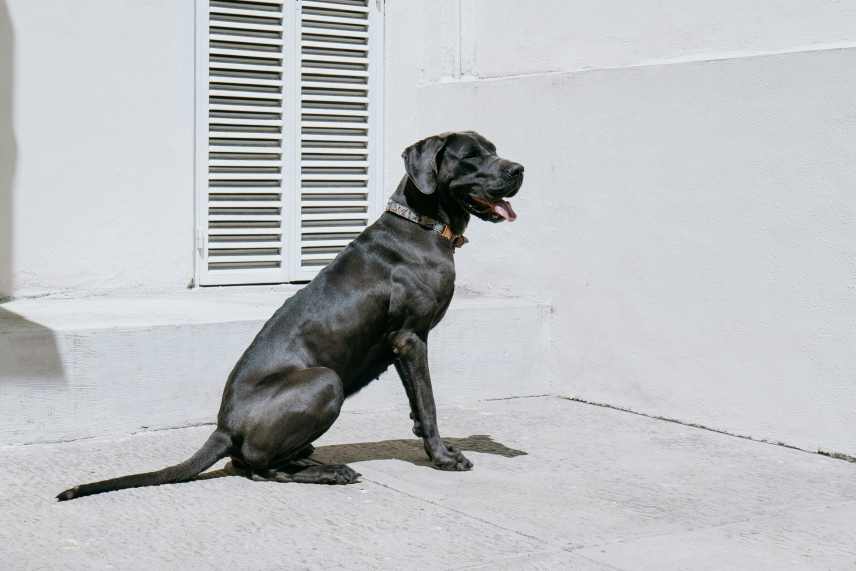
76, 367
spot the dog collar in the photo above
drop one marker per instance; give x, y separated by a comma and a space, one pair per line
443, 230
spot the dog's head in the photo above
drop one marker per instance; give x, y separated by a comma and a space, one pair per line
465, 171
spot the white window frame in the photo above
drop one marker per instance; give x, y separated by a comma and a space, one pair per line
291, 269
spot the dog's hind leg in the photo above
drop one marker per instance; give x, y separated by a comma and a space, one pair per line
306, 452
313, 474
279, 427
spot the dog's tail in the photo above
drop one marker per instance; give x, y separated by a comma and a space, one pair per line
217, 447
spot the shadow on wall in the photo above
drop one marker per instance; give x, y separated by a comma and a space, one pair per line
8, 150
29, 355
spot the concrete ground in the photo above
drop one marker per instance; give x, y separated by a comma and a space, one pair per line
557, 484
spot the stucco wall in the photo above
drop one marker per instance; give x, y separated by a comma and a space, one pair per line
688, 207
689, 200
98, 162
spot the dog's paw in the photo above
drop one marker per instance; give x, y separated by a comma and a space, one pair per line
451, 459
341, 475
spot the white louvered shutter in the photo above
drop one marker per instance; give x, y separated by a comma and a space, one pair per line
336, 98
288, 135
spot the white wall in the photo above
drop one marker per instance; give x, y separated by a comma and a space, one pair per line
689, 203
688, 207
101, 144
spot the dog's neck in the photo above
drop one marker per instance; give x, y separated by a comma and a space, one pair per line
438, 206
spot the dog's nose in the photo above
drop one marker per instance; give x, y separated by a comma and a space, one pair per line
514, 170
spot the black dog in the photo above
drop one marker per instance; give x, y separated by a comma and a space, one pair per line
371, 307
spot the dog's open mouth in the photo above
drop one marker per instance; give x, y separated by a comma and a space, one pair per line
492, 210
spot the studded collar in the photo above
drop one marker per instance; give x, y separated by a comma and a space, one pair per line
443, 230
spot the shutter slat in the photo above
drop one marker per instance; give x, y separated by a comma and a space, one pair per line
244, 218
276, 2
244, 204
334, 72
355, 216
330, 59
218, 78
244, 39
349, 88
360, 51
314, 138
217, 190
308, 19
328, 163
320, 191
274, 57
244, 176
244, 94
313, 98
335, 6
231, 24
334, 203
350, 229
270, 109
321, 31
244, 149
249, 245
325, 243
320, 149
335, 112
332, 177
325, 256
243, 134
215, 11
243, 231
334, 124
248, 258
243, 66
244, 163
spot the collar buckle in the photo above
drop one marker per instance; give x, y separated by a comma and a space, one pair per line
427, 222
459, 241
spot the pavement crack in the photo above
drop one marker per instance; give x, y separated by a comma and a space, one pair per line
818, 452
459, 512
58, 441
146, 429
837, 455
518, 397
107, 436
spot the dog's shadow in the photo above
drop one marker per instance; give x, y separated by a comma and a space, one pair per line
407, 450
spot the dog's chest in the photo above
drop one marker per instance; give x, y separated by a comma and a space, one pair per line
445, 289
422, 295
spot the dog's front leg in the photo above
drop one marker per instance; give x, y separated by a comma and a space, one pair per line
411, 398
412, 365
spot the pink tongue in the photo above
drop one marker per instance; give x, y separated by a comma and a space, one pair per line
504, 209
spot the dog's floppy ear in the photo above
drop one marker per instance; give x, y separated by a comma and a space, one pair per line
420, 162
